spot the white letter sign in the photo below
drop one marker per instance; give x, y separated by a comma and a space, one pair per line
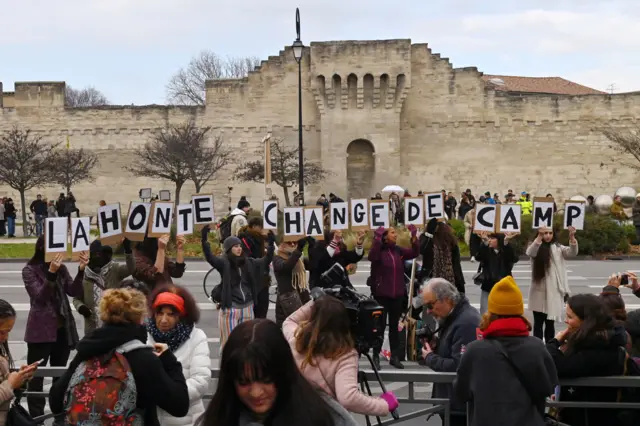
510, 218
379, 214
270, 215
542, 213
110, 224
339, 216
314, 222
293, 223
55, 237
434, 206
574, 213
160, 221
359, 214
202, 210
80, 231
137, 220
184, 219
485, 218
414, 211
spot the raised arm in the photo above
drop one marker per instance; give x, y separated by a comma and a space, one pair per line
290, 325
214, 261
376, 247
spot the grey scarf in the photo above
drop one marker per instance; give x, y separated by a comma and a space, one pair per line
99, 286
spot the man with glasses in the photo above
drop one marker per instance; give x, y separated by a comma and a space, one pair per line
457, 323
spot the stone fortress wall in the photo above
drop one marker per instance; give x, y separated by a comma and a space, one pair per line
374, 113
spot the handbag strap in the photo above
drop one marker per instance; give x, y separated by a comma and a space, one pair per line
516, 370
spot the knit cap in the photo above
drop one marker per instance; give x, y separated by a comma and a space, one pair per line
505, 298
230, 242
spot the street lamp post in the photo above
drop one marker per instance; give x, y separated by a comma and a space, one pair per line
298, 48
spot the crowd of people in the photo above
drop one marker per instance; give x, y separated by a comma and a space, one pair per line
143, 359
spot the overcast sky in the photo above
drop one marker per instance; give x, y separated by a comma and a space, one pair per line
128, 49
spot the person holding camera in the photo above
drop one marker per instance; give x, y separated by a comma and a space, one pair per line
324, 254
457, 324
549, 281
388, 284
323, 347
290, 271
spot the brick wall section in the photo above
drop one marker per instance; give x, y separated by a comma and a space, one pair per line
432, 126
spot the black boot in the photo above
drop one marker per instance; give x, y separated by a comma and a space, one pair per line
394, 361
376, 361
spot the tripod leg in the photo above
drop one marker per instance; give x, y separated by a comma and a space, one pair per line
394, 413
362, 379
365, 382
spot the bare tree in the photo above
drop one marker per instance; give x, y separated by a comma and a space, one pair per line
168, 155
187, 86
87, 97
284, 168
72, 166
625, 141
206, 161
25, 163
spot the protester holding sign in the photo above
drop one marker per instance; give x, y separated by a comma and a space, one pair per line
241, 277
387, 283
549, 282
51, 329
330, 251
441, 255
253, 243
102, 274
153, 267
290, 270
496, 257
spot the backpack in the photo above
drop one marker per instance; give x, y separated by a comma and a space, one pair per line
225, 227
103, 391
628, 417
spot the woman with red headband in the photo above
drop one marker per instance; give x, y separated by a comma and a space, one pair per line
174, 315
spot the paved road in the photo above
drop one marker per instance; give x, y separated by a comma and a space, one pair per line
584, 277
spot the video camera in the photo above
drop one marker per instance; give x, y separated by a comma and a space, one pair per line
365, 314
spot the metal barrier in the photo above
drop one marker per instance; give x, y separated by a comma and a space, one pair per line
437, 405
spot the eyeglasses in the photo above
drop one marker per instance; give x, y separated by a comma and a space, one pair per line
429, 305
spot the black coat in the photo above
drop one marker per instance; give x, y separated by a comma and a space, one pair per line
489, 384
496, 266
159, 379
599, 357
320, 261
427, 252
456, 332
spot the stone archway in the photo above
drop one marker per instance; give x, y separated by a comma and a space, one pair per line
361, 169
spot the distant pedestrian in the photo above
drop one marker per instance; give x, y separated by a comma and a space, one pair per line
10, 216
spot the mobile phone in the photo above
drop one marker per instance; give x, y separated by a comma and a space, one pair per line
624, 280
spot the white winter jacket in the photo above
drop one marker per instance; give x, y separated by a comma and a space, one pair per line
196, 367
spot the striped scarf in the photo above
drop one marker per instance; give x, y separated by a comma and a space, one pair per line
299, 273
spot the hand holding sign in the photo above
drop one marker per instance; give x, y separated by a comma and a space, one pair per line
360, 237
572, 235
84, 260
162, 242
56, 263
180, 242
508, 236
413, 230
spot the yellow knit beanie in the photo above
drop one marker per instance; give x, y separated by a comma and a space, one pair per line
505, 298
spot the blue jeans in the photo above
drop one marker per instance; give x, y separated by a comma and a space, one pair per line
11, 226
39, 223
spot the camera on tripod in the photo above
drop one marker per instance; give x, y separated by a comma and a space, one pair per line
365, 314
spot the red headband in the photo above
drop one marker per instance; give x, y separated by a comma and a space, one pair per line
170, 299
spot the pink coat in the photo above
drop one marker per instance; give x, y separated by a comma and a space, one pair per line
338, 378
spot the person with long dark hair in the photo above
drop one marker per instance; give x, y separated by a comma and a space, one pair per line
320, 337
260, 384
441, 255
10, 380
290, 271
388, 285
153, 267
591, 346
324, 254
51, 331
173, 322
496, 257
549, 281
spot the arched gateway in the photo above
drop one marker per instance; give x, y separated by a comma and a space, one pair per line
361, 168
